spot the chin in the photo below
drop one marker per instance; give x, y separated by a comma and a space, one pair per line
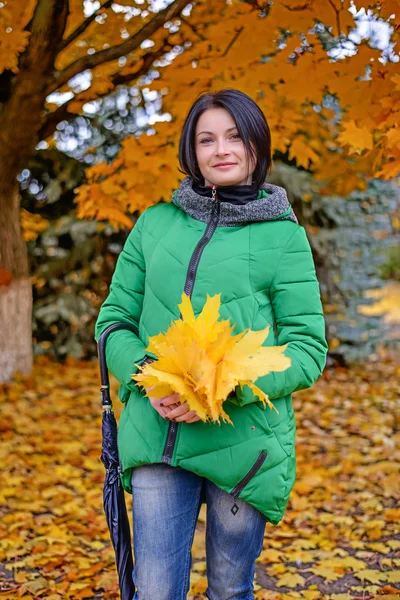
227, 180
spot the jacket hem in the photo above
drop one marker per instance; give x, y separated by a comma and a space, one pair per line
272, 517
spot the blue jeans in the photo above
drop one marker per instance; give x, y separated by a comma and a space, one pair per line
166, 502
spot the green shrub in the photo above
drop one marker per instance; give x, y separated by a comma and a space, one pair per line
391, 268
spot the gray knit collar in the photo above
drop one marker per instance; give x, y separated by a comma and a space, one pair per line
272, 204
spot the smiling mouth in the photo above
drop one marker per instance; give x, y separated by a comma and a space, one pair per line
225, 166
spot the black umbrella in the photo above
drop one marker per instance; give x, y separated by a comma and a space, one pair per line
113, 492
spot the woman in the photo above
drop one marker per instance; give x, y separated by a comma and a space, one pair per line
225, 231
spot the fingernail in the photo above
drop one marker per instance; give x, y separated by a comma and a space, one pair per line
161, 403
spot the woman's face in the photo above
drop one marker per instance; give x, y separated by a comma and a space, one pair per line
217, 141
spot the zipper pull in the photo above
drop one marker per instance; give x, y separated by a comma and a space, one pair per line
234, 509
214, 192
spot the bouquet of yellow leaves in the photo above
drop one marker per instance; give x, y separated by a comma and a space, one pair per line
200, 359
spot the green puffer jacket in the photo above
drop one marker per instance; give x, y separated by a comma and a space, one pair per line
259, 258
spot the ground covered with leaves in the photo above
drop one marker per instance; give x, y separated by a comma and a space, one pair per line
340, 536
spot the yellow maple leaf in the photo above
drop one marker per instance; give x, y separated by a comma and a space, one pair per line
371, 575
290, 580
359, 138
389, 170
393, 577
303, 153
327, 573
11, 44
200, 359
32, 225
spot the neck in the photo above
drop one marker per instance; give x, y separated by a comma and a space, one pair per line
208, 183
235, 194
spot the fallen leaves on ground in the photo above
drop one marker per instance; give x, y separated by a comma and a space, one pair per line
340, 536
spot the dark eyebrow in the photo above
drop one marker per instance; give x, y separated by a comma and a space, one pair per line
230, 129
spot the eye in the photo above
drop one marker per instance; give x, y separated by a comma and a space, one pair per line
236, 136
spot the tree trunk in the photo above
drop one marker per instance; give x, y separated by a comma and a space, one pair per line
20, 120
16, 329
15, 292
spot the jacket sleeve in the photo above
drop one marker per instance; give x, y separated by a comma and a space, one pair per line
299, 318
124, 304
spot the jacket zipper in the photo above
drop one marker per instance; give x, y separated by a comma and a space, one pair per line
249, 475
206, 237
188, 289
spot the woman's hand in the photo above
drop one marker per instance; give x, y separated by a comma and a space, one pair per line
170, 408
179, 412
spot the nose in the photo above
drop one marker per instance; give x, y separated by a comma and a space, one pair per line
221, 147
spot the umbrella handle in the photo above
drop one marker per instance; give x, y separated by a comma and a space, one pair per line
101, 348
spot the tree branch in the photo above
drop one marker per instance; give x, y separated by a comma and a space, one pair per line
109, 54
193, 28
233, 40
21, 115
83, 26
62, 113
337, 16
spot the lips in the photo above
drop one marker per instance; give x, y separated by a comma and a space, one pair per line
225, 165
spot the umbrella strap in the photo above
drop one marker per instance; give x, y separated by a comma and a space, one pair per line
101, 348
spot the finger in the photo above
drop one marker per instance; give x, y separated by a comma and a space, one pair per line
168, 400
155, 402
187, 416
177, 412
171, 407
196, 418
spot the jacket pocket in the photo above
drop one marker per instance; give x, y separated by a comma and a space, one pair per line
285, 433
245, 480
282, 430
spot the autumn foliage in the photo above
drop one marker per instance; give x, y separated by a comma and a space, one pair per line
332, 100
199, 359
292, 86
